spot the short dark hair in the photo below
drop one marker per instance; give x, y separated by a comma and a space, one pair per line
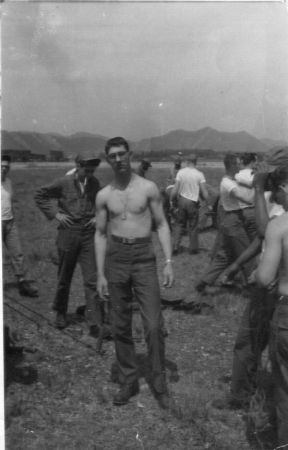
230, 160
116, 142
279, 176
6, 158
248, 158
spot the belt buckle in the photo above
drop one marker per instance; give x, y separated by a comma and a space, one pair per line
128, 240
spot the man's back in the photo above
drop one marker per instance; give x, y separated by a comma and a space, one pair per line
189, 179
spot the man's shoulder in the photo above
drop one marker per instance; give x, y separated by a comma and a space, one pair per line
227, 183
282, 220
145, 182
278, 226
95, 181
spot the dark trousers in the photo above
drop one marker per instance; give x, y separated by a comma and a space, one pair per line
77, 245
133, 266
188, 214
279, 358
251, 340
232, 240
249, 222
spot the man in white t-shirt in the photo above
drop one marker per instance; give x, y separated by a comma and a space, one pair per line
10, 236
234, 238
245, 178
189, 186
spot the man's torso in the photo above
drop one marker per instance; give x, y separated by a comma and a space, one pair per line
228, 202
189, 180
129, 211
6, 200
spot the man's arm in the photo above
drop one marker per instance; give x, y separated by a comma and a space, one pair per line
101, 242
237, 193
204, 191
244, 179
253, 250
261, 213
175, 191
163, 232
45, 195
270, 261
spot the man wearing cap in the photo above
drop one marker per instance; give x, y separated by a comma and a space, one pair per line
189, 186
143, 167
75, 213
10, 236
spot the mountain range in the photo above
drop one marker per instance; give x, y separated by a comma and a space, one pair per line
178, 140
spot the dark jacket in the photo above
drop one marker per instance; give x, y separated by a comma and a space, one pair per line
80, 207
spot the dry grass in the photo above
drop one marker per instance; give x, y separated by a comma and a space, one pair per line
59, 393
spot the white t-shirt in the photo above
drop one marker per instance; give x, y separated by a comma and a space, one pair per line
228, 202
245, 179
189, 179
6, 200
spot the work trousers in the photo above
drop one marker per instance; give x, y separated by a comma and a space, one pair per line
11, 240
232, 240
249, 222
76, 244
279, 358
188, 214
252, 338
132, 267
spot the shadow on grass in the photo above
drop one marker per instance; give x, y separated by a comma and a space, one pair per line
14, 358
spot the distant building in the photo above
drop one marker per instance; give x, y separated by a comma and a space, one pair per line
38, 157
17, 155
57, 155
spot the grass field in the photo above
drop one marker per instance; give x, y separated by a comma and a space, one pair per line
58, 392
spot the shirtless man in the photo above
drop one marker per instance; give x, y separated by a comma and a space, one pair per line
273, 264
131, 202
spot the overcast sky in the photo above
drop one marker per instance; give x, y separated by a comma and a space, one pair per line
142, 69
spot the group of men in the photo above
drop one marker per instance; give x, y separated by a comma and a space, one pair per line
108, 231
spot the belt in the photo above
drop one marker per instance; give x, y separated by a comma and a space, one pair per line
235, 211
283, 299
131, 241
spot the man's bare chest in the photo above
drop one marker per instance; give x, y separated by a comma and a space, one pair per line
128, 201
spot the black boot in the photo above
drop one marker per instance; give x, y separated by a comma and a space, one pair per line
60, 321
27, 289
125, 392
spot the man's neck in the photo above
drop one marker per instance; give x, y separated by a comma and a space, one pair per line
123, 179
230, 175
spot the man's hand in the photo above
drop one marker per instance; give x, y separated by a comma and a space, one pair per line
64, 219
229, 273
91, 223
168, 275
102, 287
